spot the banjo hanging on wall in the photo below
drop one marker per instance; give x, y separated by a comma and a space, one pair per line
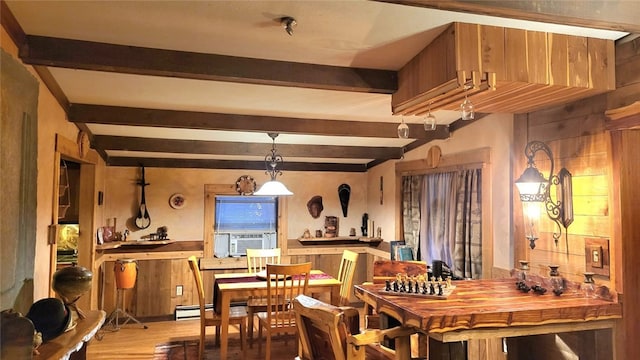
143, 220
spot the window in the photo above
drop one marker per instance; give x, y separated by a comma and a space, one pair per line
246, 213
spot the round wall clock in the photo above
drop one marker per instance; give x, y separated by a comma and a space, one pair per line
177, 201
245, 185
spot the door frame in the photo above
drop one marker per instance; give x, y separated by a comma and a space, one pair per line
66, 149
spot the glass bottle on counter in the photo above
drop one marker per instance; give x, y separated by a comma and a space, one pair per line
588, 286
522, 272
557, 283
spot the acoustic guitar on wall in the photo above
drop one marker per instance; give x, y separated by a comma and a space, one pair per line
143, 220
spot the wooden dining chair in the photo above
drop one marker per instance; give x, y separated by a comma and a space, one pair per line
257, 260
237, 314
328, 332
345, 275
284, 283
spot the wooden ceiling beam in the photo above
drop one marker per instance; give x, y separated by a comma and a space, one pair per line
126, 143
87, 55
11, 25
53, 86
617, 15
232, 164
114, 115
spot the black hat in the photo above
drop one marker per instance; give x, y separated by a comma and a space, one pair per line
50, 316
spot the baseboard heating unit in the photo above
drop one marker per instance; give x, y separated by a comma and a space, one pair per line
188, 312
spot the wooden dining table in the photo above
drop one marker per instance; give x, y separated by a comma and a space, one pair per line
230, 287
485, 309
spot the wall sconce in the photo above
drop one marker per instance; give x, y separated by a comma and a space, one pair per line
534, 192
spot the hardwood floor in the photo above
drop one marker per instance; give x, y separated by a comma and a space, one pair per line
134, 342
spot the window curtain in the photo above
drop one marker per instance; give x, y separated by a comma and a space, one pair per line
411, 192
468, 225
437, 222
442, 219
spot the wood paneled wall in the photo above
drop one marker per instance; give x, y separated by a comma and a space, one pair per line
576, 135
627, 75
604, 166
154, 294
626, 147
626, 165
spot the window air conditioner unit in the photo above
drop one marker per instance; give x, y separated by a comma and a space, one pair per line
230, 244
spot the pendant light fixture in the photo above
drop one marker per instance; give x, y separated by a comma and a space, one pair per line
430, 121
403, 130
273, 187
466, 108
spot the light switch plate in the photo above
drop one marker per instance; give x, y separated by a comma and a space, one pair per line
594, 256
597, 256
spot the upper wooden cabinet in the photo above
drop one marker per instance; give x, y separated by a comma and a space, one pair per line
504, 70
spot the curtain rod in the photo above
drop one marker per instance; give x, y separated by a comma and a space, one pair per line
444, 169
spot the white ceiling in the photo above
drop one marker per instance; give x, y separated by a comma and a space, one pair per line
355, 33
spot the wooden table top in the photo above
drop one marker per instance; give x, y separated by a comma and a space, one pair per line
262, 284
242, 288
486, 304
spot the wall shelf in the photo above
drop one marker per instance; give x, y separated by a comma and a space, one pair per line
339, 240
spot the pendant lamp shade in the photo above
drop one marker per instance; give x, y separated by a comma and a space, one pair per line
273, 188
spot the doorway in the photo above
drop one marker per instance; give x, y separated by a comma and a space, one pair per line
68, 213
72, 232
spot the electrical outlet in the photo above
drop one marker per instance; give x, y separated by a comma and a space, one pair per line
179, 290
